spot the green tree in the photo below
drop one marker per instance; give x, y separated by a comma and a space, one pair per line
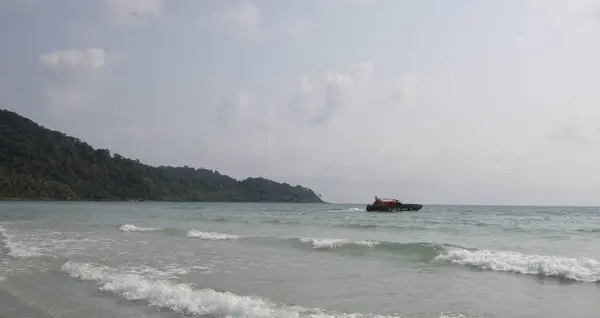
38, 163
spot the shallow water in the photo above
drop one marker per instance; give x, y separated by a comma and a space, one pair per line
296, 260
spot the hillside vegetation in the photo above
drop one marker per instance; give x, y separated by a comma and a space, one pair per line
38, 163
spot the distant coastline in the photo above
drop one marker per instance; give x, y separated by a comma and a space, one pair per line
39, 164
153, 201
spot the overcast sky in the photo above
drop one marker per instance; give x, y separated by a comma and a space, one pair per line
457, 102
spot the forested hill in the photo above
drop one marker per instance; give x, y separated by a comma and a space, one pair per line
38, 163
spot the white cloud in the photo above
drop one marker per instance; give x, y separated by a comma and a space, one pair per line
406, 89
74, 75
359, 3
242, 20
444, 107
339, 80
296, 29
31, 4
88, 60
581, 14
73, 95
364, 71
572, 134
348, 96
319, 104
559, 6
230, 108
133, 12
336, 115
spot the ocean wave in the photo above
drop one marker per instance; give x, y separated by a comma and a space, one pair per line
577, 269
589, 230
428, 251
183, 298
213, 236
335, 243
190, 233
354, 210
278, 221
347, 210
135, 228
361, 225
16, 249
581, 269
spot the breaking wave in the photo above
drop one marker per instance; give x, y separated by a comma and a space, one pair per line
426, 251
581, 269
134, 228
347, 209
184, 299
578, 269
589, 230
354, 210
213, 236
334, 243
191, 233
16, 249
360, 225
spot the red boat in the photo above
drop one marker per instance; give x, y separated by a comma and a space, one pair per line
391, 205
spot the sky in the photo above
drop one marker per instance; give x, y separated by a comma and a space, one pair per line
432, 101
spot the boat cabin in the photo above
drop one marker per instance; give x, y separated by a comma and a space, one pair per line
386, 201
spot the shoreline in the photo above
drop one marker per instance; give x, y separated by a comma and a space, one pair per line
152, 201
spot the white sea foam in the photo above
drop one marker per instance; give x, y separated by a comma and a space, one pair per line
213, 236
182, 298
453, 315
16, 249
578, 269
355, 210
42, 242
348, 210
134, 228
333, 243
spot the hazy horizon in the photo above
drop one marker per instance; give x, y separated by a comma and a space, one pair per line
462, 103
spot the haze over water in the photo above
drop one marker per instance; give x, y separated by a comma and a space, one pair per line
296, 260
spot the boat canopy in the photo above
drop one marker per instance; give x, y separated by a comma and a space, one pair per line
386, 200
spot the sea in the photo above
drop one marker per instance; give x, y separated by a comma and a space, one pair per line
148, 259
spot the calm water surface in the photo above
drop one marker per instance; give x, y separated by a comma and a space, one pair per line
296, 260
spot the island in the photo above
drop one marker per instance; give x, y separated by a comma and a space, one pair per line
37, 163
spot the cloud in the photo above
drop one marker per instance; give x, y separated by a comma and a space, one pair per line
568, 134
573, 6
322, 102
73, 75
467, 108
406, 89
88, 60
229, 108
297, 29
241, 20
336, 117
358, 3
30, 4
132, 13
351, 96
580, 13
318, 105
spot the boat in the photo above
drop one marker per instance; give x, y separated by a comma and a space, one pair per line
392, 205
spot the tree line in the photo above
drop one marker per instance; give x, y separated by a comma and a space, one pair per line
38, 163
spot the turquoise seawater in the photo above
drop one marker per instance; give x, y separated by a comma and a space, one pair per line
296, 260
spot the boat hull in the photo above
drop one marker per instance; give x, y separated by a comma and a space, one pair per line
393, 207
